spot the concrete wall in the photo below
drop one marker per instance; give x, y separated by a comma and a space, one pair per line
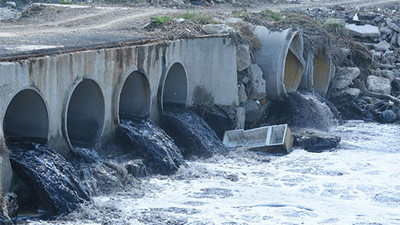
210, 64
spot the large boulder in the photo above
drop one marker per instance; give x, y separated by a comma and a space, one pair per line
363, 31
257, 82
345, 96
314, 140
379, 84
345, 76
382, 46
243, 57
388, 116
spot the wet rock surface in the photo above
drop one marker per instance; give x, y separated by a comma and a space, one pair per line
191, 133
314, 140
51, 181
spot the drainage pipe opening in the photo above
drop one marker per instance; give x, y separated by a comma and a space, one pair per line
135, 97
281, 60
293, 72
174, 89
26, 118
85, 114
321, 73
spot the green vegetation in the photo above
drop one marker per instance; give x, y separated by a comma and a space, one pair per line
333, 24
270, 14
238, 14
158, 21
64, 2
198, 18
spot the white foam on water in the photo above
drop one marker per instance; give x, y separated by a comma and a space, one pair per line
357, 183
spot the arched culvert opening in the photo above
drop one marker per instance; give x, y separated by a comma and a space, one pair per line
321, 72
135, 97
174, 90
85, 114
26, 118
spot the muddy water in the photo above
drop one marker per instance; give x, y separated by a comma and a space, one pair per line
358, 183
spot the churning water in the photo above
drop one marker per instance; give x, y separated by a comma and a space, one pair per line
357, 183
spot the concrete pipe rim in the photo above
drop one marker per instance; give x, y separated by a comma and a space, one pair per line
67, 105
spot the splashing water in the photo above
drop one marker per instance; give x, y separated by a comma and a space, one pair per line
358, 183
191, 133
305, 110
49, 179
159, 150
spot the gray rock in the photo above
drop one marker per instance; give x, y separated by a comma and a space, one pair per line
241, 117
233, 20
394, 39
391, 59
393, 26
217, 29
245, 80
345, 51
345, 96
382, 46
388, 74
398, 40
254, 112
363, 31
314, 140
243, 57
385, 30
378, 84
344, 77
388, 116
11, 4
376, 55
242, 93
257, 82
388, 53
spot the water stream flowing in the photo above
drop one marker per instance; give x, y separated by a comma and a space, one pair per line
191, 133
357, 183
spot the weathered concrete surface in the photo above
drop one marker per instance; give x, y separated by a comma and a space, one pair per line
208, 63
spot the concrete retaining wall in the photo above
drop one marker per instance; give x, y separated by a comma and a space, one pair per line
96, 79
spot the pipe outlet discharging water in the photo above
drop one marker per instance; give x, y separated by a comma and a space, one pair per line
85, 114
281, 60
26, 118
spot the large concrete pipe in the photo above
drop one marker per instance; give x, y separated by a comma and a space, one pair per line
85, 114
26, 118
281, 60
135, 96
318, 72
174, 88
